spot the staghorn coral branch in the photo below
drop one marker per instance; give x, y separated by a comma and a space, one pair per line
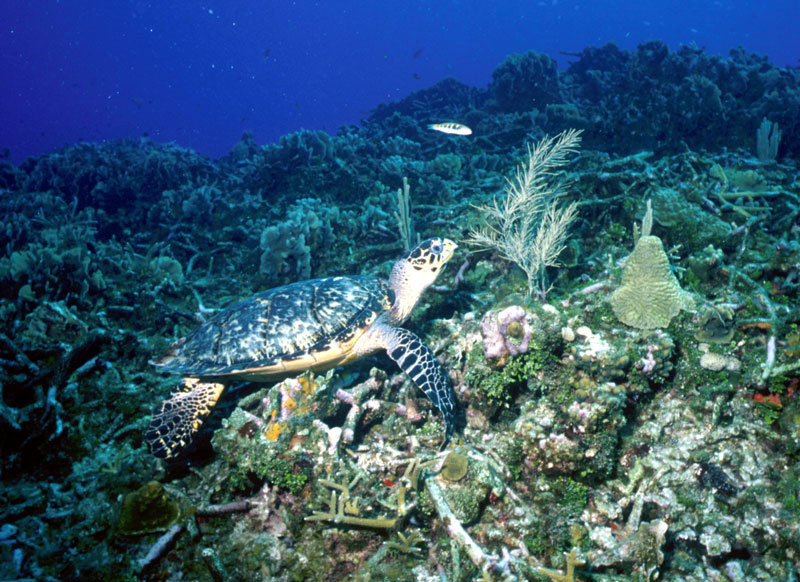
454, 528
225, 508
161, 546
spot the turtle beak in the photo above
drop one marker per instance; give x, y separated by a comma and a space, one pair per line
448, 248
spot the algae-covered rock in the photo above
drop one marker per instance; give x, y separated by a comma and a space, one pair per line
467, 479
167, 268
707, 263
148, 509
255, 554
455, 467
640, 550
267, 426
526, 81
650, 295
716, 325
687, 222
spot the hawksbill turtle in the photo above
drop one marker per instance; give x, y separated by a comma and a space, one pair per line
308, 325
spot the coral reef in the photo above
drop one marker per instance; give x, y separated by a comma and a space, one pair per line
585, 449
525, 81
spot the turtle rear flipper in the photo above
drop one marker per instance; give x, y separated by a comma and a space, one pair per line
176, 419
420, 364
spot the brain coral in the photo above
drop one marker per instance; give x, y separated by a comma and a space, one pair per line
650, 295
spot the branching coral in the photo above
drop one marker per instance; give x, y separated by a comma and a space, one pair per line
569, 575
343, 506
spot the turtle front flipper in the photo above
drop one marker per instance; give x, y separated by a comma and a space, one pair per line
420, 364
176, 419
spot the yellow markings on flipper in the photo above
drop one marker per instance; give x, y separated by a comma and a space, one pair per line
176, 419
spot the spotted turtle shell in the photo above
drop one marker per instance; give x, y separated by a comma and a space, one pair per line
308, 325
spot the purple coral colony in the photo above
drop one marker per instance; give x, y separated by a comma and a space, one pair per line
655, 437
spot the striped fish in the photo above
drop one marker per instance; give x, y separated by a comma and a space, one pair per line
454, 128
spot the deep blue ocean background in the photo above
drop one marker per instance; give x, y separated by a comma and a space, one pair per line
201, 73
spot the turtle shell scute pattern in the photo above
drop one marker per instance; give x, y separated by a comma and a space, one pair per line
281, 325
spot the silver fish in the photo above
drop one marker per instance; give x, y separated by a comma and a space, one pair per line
454, 128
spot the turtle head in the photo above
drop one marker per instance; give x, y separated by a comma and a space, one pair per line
415, 272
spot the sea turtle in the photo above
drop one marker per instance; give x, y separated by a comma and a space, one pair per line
309, 325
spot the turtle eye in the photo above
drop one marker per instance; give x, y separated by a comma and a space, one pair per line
436, 248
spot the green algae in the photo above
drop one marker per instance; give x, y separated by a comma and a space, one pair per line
454, 467
149, 509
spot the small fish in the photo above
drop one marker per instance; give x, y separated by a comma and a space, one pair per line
454, 128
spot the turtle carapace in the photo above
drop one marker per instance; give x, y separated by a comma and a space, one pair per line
309, 325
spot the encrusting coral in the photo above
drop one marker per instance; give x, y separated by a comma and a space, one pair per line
148, 509
506, 333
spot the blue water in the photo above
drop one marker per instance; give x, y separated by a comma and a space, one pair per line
200, 74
